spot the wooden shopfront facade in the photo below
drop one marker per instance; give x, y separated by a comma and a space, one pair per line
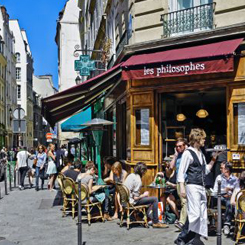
156, 87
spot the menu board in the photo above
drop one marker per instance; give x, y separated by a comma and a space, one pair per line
241, 124
145, 133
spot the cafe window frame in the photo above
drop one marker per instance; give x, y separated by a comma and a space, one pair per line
136, 144
234, 125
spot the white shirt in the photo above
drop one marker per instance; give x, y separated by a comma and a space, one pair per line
22, 157
134, 184
186, 160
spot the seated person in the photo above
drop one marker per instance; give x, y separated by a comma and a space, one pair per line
170, 195
134, 183
241, 186
108, 162
74, 172
229, 182
87, 178
117, 175
68, 161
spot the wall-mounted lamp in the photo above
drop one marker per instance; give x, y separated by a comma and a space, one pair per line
78, 80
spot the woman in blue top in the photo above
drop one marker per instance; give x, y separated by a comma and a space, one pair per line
40, 161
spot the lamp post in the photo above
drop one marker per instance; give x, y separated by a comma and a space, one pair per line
97, 127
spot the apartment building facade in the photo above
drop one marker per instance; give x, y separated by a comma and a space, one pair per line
10, 86
24, 74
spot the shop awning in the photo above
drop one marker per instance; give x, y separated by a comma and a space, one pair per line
64, 104
208, 58
74, 123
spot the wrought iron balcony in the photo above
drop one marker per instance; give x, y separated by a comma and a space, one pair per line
188, 20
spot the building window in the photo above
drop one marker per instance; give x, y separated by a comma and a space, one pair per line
18, 92
18, 73
17, 56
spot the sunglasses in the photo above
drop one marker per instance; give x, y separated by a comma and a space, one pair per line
179, 146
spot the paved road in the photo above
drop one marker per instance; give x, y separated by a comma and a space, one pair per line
30, 218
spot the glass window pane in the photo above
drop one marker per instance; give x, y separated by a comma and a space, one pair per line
142, 126
239, 123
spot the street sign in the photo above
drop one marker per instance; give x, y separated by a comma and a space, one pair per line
49, 136
19, 113
84, 65
19, 126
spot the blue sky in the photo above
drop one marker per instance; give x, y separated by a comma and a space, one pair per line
38, 18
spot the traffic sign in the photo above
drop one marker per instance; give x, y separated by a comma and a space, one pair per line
19, 113
49, 136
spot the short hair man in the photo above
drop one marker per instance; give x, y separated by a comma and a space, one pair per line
180, 147
229, 182
73, 173
22, 165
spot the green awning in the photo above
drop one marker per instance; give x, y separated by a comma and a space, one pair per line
74, 123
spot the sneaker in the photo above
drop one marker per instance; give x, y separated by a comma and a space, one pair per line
178, 225
159, 225
226, 230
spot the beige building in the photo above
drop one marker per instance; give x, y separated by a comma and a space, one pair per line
119, 23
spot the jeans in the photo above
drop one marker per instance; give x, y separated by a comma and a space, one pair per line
23, 171
229, 214
152, 201
38, 173
107, 199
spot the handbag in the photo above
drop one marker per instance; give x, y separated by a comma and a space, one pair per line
43, 172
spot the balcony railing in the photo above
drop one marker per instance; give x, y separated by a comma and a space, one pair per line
188, 20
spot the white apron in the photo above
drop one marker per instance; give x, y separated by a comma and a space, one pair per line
197, 209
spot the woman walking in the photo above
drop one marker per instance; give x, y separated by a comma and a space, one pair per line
40, 162
52, 170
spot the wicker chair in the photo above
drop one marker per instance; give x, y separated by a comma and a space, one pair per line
129, 208
87, 204
240, 217
69, 196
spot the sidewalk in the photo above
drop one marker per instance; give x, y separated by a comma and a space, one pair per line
29, 217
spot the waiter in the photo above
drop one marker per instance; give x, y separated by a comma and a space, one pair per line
193, 165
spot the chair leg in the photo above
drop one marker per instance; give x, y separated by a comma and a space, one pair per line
73, 207
121, 221
238, 232
128, 218
89, 215
145, 218
101, 214
64, 207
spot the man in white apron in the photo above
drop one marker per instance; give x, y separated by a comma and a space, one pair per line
193, 165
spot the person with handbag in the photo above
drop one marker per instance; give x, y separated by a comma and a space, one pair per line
40, 165
22, 165
52, 170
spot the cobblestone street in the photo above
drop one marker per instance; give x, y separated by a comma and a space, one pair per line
29, 217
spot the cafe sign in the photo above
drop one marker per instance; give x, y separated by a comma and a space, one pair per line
175, 69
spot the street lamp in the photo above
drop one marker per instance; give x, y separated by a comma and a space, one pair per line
78, 80
97, 127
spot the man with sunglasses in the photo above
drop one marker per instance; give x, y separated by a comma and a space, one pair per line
175, 163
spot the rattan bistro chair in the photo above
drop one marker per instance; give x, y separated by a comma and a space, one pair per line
87, 204
69, 196
130, 209
240, 217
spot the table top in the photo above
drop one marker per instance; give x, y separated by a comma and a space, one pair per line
215, 194
157, 186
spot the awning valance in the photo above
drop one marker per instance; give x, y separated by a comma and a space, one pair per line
74, 123
64, 104
201, 59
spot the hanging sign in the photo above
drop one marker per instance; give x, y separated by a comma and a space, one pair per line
84, 65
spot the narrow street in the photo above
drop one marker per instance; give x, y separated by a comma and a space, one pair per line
29, 217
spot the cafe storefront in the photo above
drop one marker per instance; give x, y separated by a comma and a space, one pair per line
169, 92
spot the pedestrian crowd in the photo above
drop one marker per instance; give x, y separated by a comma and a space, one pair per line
185, 179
